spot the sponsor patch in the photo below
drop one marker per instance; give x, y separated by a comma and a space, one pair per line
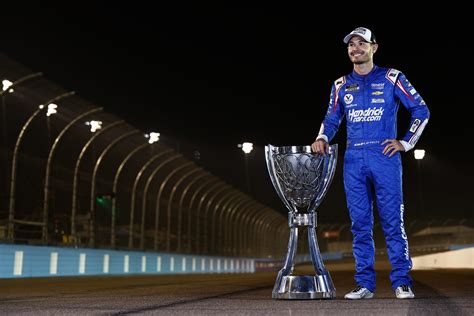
352, 87
414, 139
377, 100
366, 143
360, 30
377, 92
415, 125
392, 75
404, 235
412, 91
370, 115
348, 98
378, 86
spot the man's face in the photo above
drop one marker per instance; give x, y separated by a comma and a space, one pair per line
360, 51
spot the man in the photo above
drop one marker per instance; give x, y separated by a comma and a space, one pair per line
369, 98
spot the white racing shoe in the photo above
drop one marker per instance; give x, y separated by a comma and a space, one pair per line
404, 291
359, 293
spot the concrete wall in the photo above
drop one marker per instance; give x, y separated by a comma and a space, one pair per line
454, 259
18, 261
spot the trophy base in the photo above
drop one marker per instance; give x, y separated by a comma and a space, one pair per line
305, 287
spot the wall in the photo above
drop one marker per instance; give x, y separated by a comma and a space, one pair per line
17, 261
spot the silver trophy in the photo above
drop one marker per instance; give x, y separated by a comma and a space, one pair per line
301, 179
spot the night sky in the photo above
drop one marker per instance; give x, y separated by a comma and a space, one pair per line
210, 77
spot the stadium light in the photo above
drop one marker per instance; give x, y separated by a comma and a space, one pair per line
419, 153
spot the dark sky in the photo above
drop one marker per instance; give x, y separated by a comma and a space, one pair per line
210, 77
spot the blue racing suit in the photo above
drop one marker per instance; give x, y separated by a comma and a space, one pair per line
370, 104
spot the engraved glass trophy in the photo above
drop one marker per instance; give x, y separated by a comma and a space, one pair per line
301, 179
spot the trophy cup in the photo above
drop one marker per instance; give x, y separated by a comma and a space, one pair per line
301, 179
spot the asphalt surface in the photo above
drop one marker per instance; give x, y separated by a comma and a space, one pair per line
438, 292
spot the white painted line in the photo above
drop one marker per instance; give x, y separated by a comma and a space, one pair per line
203, 264
143, 263
106, 260
172, 264
158, 264
126, 260
194, 264
18, 263
53, 263
82, 263
183, 264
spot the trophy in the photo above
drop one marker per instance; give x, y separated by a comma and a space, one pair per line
301, 179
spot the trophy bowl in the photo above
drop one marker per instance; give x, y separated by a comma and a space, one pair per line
301, 179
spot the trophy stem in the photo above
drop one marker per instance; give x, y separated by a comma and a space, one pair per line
325, 285
289, 263
315, 252
288, 286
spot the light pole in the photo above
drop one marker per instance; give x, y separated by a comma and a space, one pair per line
11, 209
247, 149
419, 155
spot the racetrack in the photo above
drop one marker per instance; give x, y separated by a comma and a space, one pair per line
438, 292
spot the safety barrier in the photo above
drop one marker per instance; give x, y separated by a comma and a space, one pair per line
19, 261
460, 258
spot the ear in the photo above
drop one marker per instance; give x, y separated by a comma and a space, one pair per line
375, 47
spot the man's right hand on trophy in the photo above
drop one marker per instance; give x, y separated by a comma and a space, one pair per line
320, 146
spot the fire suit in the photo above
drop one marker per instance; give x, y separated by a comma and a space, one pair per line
370, 104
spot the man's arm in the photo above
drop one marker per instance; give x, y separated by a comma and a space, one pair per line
414, 103
332, 120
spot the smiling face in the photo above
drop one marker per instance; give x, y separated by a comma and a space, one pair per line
360, 51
